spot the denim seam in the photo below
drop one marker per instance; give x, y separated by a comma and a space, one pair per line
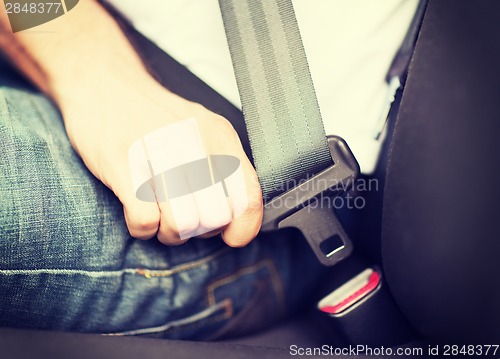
147, 273
226, 304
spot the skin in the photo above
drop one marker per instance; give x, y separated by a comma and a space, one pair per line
108, 100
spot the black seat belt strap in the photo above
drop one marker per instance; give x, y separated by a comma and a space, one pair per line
279, 103
295, 161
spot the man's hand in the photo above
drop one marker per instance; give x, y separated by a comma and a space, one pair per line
102, 130
109, 101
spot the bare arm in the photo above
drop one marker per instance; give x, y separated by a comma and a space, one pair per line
73, 52
83, 61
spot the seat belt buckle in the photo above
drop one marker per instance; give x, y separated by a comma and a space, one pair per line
303, 206
363, 312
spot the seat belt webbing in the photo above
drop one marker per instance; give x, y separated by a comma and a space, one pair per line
279, 103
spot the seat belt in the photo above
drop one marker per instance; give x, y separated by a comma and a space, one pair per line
298, 166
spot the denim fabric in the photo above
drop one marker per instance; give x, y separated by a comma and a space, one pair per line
67, 261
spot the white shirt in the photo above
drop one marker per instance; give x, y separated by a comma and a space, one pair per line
349, 44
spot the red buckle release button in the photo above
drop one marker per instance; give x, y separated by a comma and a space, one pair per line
351, 292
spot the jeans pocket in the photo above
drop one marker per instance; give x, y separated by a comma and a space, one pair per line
257, 295
237, 304
205, 321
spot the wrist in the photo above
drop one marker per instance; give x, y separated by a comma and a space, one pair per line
94, 86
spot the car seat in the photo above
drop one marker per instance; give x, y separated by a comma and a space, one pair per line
441, 270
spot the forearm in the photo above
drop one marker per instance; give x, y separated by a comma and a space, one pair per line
82, 52
109, 101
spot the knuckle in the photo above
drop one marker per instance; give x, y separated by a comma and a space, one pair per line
144, 224
238, 241
170, 239
143, 227
215, 221
140, 234
243, 234
186, 227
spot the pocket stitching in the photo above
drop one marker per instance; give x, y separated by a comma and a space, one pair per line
185, 323
264, 263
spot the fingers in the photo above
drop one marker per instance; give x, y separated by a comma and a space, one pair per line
199, 213
179, 220
180, 193
138, 193
169, 148
246, 200
142, 218
213, 209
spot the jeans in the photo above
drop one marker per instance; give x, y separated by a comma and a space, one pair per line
67, 261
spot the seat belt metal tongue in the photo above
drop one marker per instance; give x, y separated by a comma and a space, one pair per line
284, 123
304, 206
